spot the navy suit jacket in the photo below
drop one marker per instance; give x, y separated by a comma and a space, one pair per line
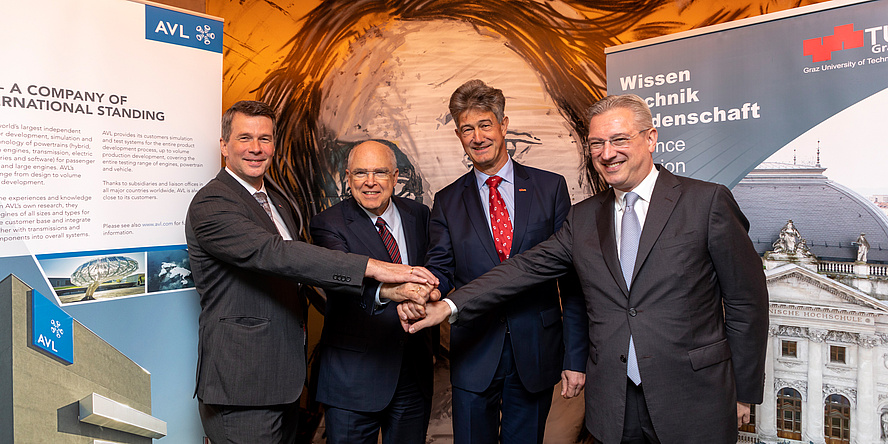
697, 309
363, 347
462, 248
251, 340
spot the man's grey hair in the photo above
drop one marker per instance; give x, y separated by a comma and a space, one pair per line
476, 95
631, 102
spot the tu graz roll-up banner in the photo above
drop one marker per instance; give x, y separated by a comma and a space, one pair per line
109, 123
726, 98
795, 99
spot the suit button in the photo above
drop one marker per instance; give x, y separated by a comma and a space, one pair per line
502, 319
623, 359
632, 312
348, 279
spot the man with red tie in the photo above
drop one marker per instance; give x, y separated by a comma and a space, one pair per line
503, 368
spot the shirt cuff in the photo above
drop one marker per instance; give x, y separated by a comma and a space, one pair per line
454, 314
379, 300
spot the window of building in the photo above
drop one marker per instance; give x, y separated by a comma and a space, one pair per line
789, 414
789, 349
837, 420
749, 428
837, 354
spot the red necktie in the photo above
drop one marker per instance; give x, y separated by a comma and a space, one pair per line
499, 219
388, 240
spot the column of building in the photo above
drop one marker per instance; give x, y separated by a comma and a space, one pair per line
812, 422
867, 423
766, 413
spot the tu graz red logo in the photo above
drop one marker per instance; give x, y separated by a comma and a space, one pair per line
844, 37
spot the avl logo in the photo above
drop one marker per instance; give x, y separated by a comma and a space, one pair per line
178, 28
51, 328
204, 33
171, 29
844, 37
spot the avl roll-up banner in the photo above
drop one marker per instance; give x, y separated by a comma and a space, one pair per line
109, 117
109, 123
726, 97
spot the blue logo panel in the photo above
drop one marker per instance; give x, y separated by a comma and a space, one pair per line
53, 329
179, 28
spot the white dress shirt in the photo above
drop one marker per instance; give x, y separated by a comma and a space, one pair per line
507, 192
392, 218
276, 216
644, 190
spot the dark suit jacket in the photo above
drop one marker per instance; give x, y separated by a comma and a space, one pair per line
362, 345
462, 249
251, 349
698, 308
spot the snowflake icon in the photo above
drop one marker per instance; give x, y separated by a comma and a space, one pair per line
204, 34
56, 328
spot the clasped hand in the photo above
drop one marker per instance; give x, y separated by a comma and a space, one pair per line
414, 317
410, 292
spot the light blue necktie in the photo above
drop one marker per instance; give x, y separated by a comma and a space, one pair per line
630, 232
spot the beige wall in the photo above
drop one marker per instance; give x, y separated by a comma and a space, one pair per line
191, 5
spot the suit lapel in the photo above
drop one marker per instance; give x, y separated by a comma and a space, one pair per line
666, 193
475, 212
523, 197
608, 241
248, 200
362, 227
284, 209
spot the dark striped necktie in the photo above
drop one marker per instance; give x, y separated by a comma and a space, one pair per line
388, 240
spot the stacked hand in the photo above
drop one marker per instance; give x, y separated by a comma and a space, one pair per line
399, 273
409, 292
415, 317
405, 284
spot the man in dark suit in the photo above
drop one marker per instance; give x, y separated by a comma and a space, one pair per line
675, 293
503, 368
247, 268
373, 375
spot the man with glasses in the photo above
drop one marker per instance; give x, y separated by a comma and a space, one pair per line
373, 375
675, 292
503, 368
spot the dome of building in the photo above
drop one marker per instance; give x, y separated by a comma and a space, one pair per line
828, 215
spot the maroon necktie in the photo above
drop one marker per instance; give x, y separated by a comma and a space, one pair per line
388, 240
499, 219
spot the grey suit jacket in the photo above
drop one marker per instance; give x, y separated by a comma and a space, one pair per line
251, 349
697, 310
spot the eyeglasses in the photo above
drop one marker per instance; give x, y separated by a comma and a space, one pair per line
378, 174
620, 141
